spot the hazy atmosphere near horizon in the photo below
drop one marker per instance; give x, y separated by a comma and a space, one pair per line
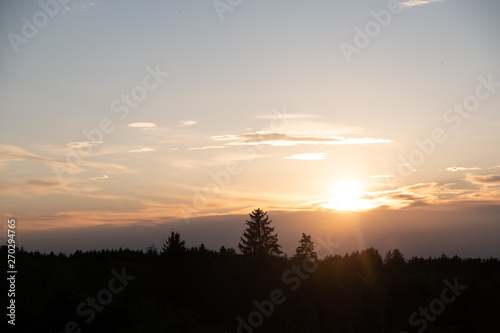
365, 123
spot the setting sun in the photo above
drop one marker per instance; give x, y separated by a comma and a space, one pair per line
347, 195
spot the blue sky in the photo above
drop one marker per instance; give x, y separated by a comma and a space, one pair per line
266, 97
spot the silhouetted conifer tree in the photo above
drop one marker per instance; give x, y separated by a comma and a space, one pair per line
306, 249
174, 245
394, 258
258, 238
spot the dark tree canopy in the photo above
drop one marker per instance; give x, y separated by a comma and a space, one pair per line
394, 258
207, 291
306, 249
152, 250
258, 238
174, 245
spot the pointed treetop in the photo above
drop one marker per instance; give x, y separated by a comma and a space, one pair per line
306, 249
258, 239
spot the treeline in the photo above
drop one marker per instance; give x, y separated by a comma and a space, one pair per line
200, 290
180, 289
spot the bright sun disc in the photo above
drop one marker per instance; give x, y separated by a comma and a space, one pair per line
347, 195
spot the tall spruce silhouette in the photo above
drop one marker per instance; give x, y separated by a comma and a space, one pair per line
306, 249
258, 238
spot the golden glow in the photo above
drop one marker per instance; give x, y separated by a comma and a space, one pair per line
348, 195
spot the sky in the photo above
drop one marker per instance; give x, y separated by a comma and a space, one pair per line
373, 123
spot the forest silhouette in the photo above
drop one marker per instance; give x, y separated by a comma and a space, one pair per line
258, 289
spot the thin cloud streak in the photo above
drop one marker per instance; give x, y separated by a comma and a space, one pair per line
187, 123
142, 125
455, 169
415, 3
42, 182
142, 150
103, 177
82, 144
12, 153
281, 139
207, 147
486, 180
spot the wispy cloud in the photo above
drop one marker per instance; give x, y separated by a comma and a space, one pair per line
106, 166
485, 180
82, 144
414, 3
187, 123
33, 187
142, 125
142, 150
81, 6
13, 153
427, 194
42, 182
381, 176
307, 156
100, 177
207, 147
415, 195
455, 169
281, 139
